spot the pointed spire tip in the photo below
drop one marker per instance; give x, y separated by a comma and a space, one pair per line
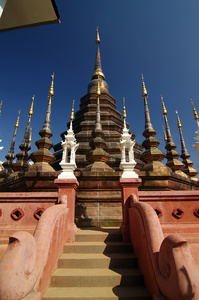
144, 91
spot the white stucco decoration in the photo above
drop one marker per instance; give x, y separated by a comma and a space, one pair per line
127, 165
67, 163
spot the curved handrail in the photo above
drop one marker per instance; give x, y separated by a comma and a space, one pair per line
25, 265
167, 264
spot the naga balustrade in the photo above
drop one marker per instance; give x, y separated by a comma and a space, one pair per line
170, 271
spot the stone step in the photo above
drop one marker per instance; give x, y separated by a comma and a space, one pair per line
96, 235
96, 277
97, 247
97, 260
97, 293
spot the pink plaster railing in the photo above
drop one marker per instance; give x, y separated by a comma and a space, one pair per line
30, 260
167, 264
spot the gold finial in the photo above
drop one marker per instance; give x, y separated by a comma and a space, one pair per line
98, 87
72, 111
165, 136
17, 122
179, 124
51, 91
144, 91
30, 136
124, 109
97, 38
31, 107
164, 111
194, 111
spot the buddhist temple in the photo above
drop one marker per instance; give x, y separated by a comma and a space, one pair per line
98, 215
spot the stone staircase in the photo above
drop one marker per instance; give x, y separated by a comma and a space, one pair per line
97, 266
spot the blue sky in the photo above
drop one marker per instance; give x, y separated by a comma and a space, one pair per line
157, 38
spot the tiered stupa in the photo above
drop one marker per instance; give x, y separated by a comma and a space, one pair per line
85, 119
154, 173
22, 163
8, 164
172, 155
189, 170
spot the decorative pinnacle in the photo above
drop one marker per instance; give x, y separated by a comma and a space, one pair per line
144, 91
30, 136
51, 91
124, 109
97, 38
194, 111
98, 87
179, 123
72, 111
164, 111
17, 122
31, 107
165, 136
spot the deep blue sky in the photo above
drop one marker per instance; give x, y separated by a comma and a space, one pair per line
157, 38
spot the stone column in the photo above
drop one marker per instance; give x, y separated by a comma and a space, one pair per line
129, 186
67, 187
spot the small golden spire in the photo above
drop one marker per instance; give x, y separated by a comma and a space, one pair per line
179, 123
17, 122
164, 111
98, 87
165, 136
194, 111
124, 109
97, 38
51, 91
31, 107
30, 136
144, 91
72, 111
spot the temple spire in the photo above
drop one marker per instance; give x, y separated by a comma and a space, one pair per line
23, 156
152, 156
191, 172
98, 73
46, 125
42, 157
148, 125
172, 155
98, 125
72, 116
98, 157
8, 164
165, 136
98, 65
